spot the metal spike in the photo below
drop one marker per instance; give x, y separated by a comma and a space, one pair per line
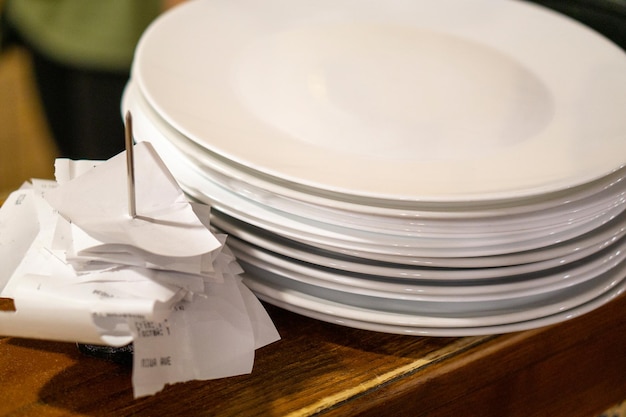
130, 165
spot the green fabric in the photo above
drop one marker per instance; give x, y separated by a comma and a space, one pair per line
100, 34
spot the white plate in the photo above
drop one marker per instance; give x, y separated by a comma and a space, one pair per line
398, 266
416, 290
336, 237
471, 269
542, 215
397, 100
439, 315
349, 240
344, 240
319, 309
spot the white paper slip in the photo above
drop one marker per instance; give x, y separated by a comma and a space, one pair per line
78, 268
51, 301
211, 337
96, 201
81, 248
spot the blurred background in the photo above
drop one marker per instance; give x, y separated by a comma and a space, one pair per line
63, 67
26, 146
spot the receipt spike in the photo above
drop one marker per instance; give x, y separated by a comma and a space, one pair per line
130, 165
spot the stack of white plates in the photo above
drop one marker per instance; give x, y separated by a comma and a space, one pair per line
441, 168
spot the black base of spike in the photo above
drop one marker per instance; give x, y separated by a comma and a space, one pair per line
120, 355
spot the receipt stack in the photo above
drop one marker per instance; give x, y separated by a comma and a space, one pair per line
79, 268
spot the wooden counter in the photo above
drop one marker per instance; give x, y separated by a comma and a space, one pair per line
576, 368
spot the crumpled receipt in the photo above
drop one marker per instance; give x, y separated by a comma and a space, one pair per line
79, 268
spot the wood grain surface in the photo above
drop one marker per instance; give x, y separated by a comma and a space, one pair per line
577, 368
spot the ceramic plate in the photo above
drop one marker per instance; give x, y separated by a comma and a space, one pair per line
554, 215
436, 270
439, 315
394, 100
515, 215
354, 242
421, 290
324, 310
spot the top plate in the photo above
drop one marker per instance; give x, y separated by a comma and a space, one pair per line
445, 101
